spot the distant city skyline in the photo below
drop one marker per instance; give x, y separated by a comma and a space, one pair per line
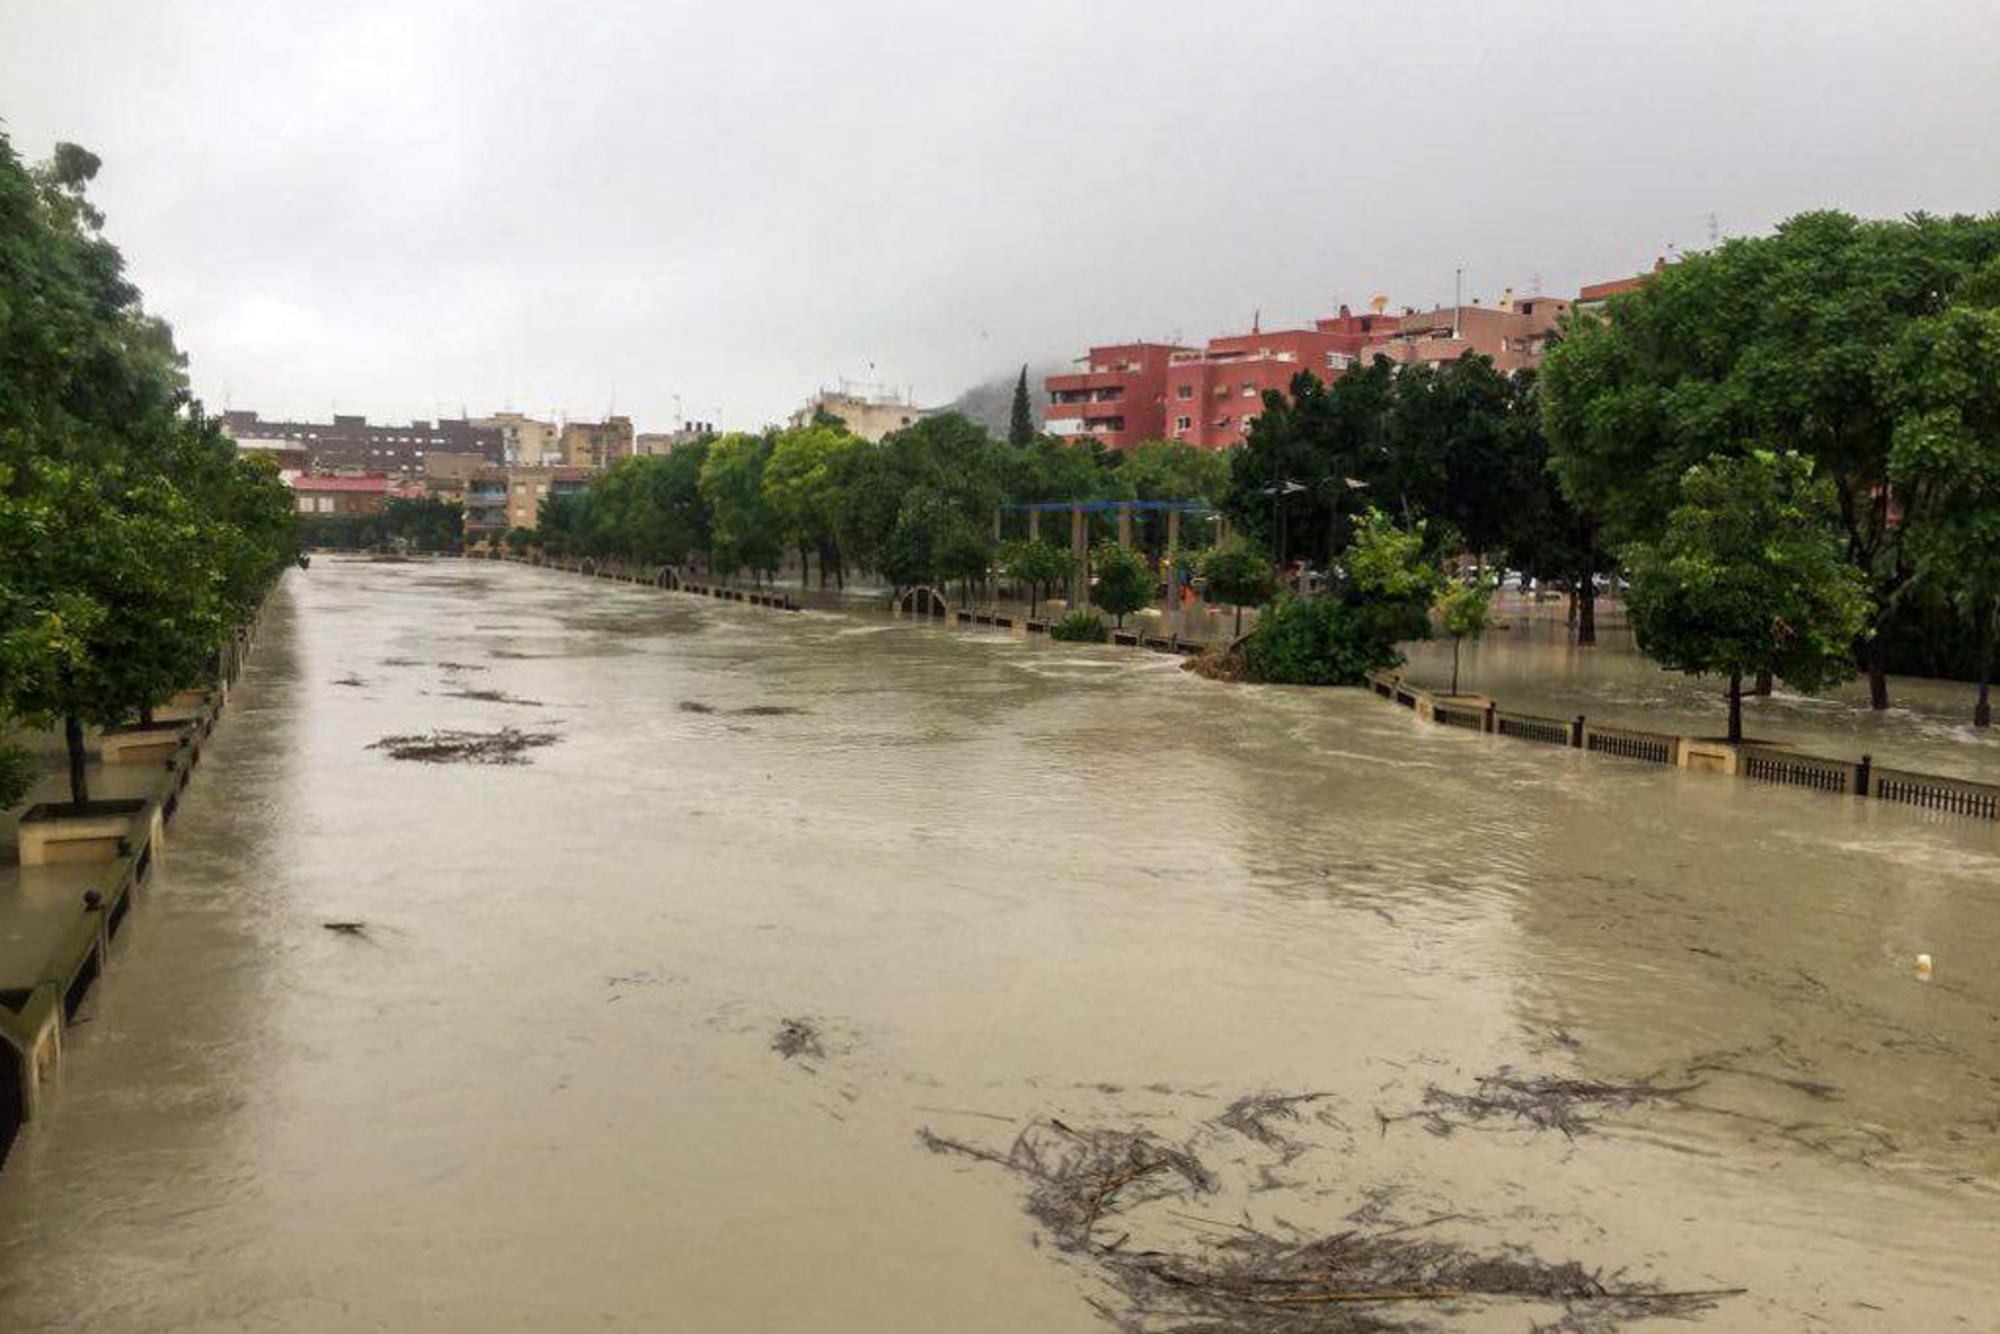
662, 210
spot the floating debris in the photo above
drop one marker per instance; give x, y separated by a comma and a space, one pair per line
1546, 1102
491, 697
347, 928
401, 662
349, 680
748, 711
798, 1037
450, 746
1251, 1116
462, 667
1087, 1188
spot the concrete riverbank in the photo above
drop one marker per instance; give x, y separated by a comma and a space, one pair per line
61, 918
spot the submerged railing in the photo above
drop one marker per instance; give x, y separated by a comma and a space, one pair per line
1758, 762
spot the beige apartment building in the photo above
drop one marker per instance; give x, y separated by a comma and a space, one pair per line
500, 499
869, 416
594, 444
526, 441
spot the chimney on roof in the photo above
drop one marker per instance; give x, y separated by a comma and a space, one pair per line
1344, 312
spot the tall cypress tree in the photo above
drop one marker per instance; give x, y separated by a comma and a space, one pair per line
1021, 430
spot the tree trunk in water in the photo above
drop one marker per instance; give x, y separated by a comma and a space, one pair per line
1455, 642
1763, 686
79, 779
805, 569
1982, 712
1878, 674
1735, 707
1239, 622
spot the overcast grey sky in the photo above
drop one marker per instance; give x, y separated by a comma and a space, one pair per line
405, 206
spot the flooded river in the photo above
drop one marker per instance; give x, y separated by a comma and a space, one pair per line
996, 884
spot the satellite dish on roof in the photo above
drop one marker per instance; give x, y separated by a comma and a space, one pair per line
1379, 302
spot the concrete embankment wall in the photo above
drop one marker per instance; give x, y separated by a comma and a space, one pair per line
56, 957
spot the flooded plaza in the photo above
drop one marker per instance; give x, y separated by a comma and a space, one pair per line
663, 1025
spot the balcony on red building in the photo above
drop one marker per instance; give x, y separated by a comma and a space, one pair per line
1215, 393
1118, 398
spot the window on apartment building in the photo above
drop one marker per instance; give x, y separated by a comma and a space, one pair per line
1249, 391
1222, 391
1183, 423
1184, 391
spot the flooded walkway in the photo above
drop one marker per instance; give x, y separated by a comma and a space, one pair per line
1528, 663
546, 1085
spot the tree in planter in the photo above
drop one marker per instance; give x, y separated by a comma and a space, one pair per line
1035, 562
1749, 576
1465, 610
130, 561
1239, 573
1945, 383
1124, 581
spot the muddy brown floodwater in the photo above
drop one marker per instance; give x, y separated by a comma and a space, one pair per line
667, 1020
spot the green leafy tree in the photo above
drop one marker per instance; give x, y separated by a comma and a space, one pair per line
1748, 576
1238, 572
1383, 598
804, 485
1124, 581
1943, 379
744, 531
1036, 563
1464, 611
1766, 342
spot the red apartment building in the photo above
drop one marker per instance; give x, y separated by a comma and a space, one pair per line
1132, 392
1120, 398
1215, 393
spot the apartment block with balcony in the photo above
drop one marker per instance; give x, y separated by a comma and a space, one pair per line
1212, 395
1120, 398
1511, 333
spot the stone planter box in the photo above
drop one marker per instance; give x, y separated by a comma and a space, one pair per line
141, 743
59, 832
1705, 755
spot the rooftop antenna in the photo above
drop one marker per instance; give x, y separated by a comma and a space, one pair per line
1457, 298
1257, 320
1714, 231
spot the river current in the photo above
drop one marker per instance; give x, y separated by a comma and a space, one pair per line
995, 881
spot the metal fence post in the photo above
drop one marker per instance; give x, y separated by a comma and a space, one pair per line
1862, 772
1576, 733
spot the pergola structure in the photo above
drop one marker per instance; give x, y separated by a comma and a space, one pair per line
1079, 532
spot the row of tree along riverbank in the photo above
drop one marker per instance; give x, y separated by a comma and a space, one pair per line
1789, 445
134, 541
